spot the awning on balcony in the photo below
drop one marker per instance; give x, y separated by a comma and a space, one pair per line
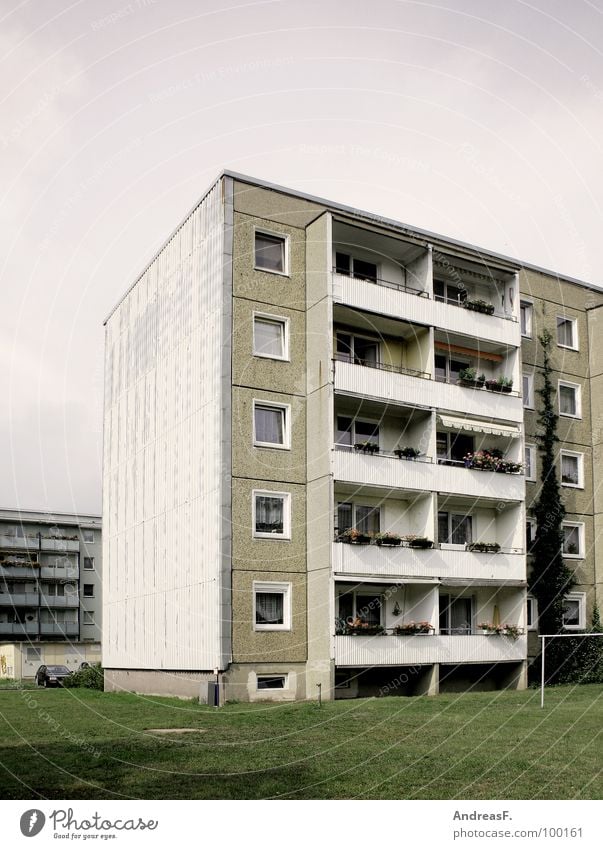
383, 579
480, 427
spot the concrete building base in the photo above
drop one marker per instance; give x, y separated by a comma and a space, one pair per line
159, 682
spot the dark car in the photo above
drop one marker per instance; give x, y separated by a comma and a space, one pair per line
51, 676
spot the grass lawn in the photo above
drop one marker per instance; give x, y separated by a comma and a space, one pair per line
80, 744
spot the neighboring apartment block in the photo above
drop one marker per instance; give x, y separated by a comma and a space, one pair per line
314, 448
50, 577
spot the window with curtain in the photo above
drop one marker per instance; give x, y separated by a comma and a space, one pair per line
270, 514
571, 539
269, 424
455, 529
566, 332
345, 517
567, 400
368, 608
269, 337
456, 615
269, 608
570, 470
367, 519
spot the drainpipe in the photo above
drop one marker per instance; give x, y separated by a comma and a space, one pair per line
39, 582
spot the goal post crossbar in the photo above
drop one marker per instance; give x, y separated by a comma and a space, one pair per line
544, 637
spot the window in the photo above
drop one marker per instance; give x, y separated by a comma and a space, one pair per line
447, 369
271, 606
525, 318
448, 293
19, 532
353, 267
527, 390
271, 682
270, 337
271, 252
567, 332
87, 535
451, 448
456, 615
361, 350
531, 613
572, 465
88, 617
574, 611
569, 399
573, 539
365, 519
454, 529
271, 514
88, 590
363, 605
271, 425
350, 431
88, 562
530, 533
529, 457
54, 590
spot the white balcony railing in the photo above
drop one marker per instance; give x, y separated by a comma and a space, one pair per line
421, 649
71, 600
30, 543
68, 629
390, 562
364, 381
414, 306
18, 629
19, 599
390, 472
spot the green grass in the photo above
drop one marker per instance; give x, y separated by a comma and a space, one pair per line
81, 744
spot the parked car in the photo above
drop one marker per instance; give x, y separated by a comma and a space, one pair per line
51, 676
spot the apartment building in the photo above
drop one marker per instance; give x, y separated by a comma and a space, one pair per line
50, 579
314, 457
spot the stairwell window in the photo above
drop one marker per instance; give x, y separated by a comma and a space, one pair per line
531, 613
270, 337
530, 462
88, 590
567, 332
271, 252
271, 606
525, 318
88, 562
569, 399
527, 390
271, 514
271, 425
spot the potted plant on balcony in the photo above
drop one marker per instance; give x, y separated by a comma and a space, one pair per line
407, 453
422, 627
367, 447
483, 461
509, 467
356, 626
354, 536
483, 547
415, 541
479, 306
469, 377
500, 384
388, 538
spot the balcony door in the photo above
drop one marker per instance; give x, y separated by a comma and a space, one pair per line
456, 615
349, 431
361, 350
451, 448
364, 518
447, 369
454, 528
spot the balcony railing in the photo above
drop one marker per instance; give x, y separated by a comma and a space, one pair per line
71, 600
388, 284
62, 629
407, 650
18, 629
358, 361
19, 599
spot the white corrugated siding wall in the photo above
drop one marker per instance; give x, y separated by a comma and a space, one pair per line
162, 464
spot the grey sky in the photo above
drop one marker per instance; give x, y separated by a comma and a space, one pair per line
480, 120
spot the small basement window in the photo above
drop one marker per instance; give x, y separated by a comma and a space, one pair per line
271, 682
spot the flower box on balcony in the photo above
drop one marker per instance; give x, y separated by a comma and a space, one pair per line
407, 453
483, 547
354, 536
364, 630
505, 630
418, 542
479, 306
502, 384
367, 447
413, 628
469, 377
508, 467
388, 539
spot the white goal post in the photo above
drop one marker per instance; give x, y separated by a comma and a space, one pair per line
544, 637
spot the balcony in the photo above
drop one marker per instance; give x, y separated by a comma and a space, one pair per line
14, 543
20, 570
420, 649
409, 388
390, 562
18, 629
19, 599
396, 301
59, 573
60, 544
392, 473
71, 600
65, 629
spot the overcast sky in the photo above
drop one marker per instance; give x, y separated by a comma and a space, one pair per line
480, 120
